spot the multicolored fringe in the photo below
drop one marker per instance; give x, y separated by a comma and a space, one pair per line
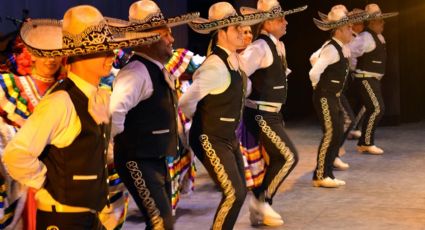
254, 156
179, 62
113, 217
182, 172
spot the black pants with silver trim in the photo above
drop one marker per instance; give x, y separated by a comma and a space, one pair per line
371, 97
331, 117
149, 183
267, 128
223, 160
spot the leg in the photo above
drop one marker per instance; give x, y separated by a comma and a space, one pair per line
223, 161
331, 120
372, 99
282, 154
148, 182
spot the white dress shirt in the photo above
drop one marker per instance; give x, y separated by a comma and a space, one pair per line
323, 57
132, 85
258, 55
364, 43
54, 121
212, 77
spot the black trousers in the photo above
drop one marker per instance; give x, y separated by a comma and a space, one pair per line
149, 184
267, 128
223, 161
349, 118
68, 221
352, 94
331, 117
371, 97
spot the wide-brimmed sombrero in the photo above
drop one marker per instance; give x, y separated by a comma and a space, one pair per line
221, 15
82, 31
375, 12
337, 17
145, 15
272, 8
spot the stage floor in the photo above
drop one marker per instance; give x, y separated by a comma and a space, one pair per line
382, 192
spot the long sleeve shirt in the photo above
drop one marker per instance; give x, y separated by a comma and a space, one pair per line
322, 58
132, 85
364, 43
55, 122
212, 77
258, 55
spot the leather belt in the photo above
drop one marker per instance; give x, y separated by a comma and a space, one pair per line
267, 108
62, 208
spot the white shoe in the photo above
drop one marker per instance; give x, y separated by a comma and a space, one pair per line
340, 165
261, 213
339, 182
370, 149
326, 183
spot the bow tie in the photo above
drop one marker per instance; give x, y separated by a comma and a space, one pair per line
99, 106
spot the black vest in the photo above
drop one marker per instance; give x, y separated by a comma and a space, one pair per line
150, 128
270, 84
375, 60
85, 157
333, 78
219, 114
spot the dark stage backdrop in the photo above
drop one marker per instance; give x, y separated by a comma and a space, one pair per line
403, 85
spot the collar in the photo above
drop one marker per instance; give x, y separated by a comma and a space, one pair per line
273, 38
159, 64
226, 50
338, 41
87, 88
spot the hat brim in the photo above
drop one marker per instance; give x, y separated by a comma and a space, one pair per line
205, 26
381, 16
249, 10
140, 25
325, 25
45, 38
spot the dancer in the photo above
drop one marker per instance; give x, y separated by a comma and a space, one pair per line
64, 141
214, 102
369, 49
264, 61
144, 117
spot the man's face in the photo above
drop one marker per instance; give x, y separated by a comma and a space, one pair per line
164, 47
47, 67
277, 26
234, 37
377, 25
346, 33
100, 65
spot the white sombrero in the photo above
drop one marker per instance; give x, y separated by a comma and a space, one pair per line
82, 31
272, 8
375, 12
337, 17
221, 15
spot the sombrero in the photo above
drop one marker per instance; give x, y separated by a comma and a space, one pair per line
375, 12
221, 15
82, 31
337, 17
272, 8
